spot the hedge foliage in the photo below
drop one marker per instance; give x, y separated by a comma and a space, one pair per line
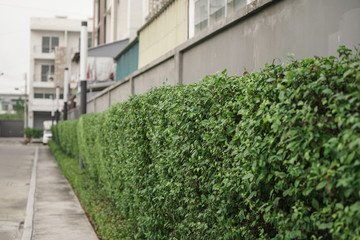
64, 133
271, 155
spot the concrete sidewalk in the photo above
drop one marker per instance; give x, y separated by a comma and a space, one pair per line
57, 212
36, 201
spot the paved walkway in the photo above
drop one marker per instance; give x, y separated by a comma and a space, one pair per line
36, 201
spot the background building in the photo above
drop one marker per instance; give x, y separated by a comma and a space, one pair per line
116, 20
54, 42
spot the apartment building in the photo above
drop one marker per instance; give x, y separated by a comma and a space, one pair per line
53, 43
116, 20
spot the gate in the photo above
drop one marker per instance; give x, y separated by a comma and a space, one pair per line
11, 128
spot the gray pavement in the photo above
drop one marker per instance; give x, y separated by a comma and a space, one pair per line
36, 201
15, 172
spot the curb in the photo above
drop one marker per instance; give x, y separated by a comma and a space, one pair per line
28, 224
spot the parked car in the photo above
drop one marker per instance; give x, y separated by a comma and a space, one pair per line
47, 136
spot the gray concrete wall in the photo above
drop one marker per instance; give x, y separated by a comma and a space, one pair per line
303, 27
161, 74
120, 94
264, 31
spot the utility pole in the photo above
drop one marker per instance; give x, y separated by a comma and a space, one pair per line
52, 110
83, 65
66, 89
83, 78
57, 113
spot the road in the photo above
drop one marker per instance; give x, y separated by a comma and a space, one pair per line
16, 160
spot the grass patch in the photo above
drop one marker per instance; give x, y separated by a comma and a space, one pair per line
99, 209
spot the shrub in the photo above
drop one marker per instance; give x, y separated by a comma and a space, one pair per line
33, 132
28, 132
37, 132
65, 134
270, 155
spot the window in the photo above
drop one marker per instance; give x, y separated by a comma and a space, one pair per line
89, 41
201, 15
47, 73
49, 96
208, 12
234, 5
217, 10
38, 95
49, 44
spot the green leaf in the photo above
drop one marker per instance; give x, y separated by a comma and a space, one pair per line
307, 191
321, 185
355, 207
323, 226
315, 203
247, 176
295, 234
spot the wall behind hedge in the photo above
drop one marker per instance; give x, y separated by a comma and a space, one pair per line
270, 155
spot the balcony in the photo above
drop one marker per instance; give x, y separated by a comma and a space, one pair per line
38, 81
38, 53
46, 105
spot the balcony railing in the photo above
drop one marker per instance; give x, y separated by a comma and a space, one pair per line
43, 80
43, 52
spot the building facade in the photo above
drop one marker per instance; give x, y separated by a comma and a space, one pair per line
53, 43
116, 20
8, 102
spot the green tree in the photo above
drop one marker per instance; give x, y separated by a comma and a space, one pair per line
19, 105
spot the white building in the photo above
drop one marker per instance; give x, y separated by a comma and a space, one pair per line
116, 20
54, 41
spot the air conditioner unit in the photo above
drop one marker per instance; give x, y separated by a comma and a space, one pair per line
51, 78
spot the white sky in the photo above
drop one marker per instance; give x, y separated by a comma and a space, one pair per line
15, 34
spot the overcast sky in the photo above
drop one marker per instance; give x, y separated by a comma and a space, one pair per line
15, 34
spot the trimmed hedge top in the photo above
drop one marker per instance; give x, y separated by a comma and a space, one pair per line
270, 155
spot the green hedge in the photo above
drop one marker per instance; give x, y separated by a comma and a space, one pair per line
270, 155
65, 134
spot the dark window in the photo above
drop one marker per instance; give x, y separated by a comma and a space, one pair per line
49, 44
47, 72
45, 44
54, 43
38, 95
49, 96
